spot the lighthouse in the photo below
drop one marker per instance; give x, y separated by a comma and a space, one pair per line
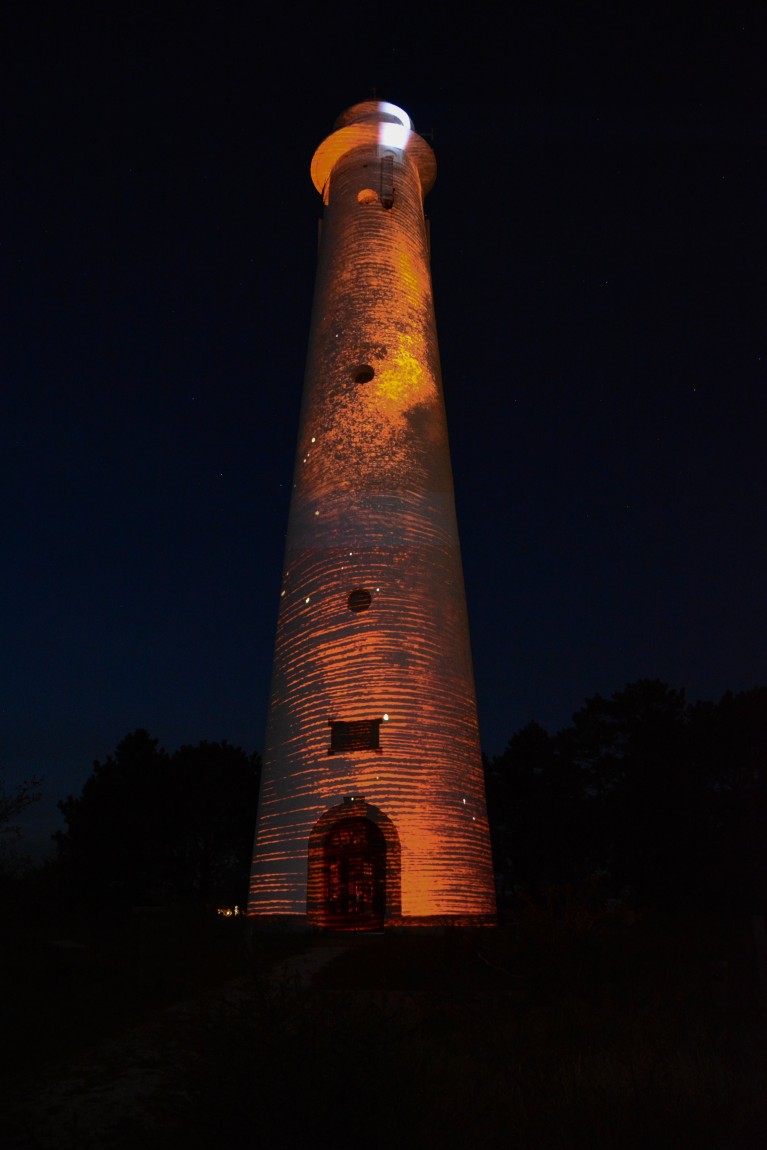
372, 808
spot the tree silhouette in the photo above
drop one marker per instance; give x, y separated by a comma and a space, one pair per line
666, 801
151, 827
642, 794
729, 743
535, 808
13, 803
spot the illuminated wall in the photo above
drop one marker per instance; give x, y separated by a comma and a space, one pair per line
372, 709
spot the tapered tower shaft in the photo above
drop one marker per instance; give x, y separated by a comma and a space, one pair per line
372, 807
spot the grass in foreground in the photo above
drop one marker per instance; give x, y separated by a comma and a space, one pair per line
570, 1027
564, 1030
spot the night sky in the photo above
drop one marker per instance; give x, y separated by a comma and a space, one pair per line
598, 256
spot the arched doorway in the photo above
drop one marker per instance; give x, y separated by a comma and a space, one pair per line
354, 875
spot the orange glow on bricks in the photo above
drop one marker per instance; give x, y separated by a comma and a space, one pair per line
372, 808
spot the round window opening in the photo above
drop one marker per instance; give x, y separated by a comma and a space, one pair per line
363, 373
359, 600
367, 196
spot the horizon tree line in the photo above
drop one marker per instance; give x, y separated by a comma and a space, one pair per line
662, 801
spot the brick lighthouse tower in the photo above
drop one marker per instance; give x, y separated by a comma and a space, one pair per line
372, 808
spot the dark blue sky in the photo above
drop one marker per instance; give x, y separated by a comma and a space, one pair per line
598, 237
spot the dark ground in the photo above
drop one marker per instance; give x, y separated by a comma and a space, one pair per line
570, 1026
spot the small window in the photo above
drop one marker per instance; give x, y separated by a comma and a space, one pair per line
387, 180
359, 600
362, 735
367, 196
362, 373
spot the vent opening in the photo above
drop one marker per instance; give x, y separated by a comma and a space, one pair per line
359, 600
